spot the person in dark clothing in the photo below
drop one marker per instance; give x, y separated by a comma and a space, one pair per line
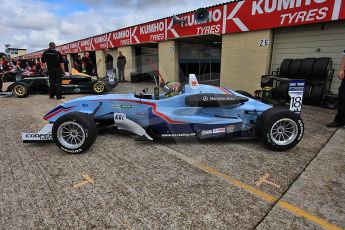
339, 119
78, 64
56, 69
109, 60
22, 64
121, 63
88, 63
109, 63
65, 62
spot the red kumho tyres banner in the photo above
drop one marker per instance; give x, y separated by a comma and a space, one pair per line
58, 48
65, 49
233, 17
268, 14
214, 25
101, 42
148, 32
86, 45
74, 47
120, 38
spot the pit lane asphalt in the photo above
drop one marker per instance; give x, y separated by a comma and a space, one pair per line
155, 185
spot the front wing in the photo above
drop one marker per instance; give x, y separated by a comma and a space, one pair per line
42, 136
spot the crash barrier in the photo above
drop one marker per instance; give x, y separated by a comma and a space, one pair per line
317, 73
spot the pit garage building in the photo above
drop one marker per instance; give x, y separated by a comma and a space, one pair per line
240, 41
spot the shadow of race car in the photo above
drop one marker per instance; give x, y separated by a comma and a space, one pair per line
73, 83
194, 111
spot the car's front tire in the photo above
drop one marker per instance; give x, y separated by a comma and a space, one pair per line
21, 90
281, 129
74, 132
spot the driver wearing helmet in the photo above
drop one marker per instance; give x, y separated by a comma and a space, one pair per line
171, 88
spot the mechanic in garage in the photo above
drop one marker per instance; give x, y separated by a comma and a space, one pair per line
88, 63
56, 69
339, 119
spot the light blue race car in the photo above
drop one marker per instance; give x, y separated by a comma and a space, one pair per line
192, 111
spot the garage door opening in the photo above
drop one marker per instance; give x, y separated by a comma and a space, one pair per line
200, 56
146, 61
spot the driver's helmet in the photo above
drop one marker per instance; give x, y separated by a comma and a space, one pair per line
172, 88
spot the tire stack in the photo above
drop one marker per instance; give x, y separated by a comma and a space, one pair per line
315, 71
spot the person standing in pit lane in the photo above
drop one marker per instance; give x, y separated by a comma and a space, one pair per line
66, 62
78, 64
109, 62
56, 69
121, 63
339, 119
88, 64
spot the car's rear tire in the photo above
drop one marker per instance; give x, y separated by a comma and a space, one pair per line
99, 87
74, 132
281, 129
283, 90
20, 90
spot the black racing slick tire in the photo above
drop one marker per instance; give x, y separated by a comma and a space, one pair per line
283, 90
306, 93
295, 68
245, 93
307, 67
74, 132
260, 121
316, 94
323, 68
282, 129
285, 67
20, 90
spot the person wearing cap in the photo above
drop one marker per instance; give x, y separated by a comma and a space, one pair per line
339, 119
56, 69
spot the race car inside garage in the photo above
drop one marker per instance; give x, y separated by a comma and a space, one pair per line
201, 57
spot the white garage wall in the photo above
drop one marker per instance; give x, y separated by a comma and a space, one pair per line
304, 41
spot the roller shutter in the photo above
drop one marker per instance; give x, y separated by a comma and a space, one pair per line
317, 40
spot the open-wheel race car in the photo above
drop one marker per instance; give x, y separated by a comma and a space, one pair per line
195, 111
73, 83
16, 74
